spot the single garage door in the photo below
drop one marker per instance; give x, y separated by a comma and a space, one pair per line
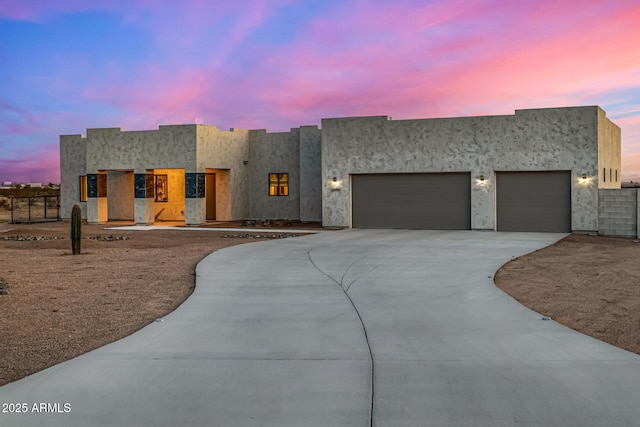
533, 201
429, 201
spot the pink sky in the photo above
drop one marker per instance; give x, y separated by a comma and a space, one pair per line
282, 64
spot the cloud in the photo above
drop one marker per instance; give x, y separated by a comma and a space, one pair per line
41, 166
381, 64
277, 64
38, 10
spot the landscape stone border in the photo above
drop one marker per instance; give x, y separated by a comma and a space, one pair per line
260, 236
99, 238
20, 238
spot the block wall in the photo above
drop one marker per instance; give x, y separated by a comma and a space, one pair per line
618, 212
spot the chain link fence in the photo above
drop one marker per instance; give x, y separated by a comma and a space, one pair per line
35, 209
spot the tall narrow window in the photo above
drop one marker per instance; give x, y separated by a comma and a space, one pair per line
162, 190
278, 184
84, 190
604, 174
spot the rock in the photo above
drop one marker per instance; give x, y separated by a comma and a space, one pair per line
19, 238
258, 236
4, 287
109, 238
266, 223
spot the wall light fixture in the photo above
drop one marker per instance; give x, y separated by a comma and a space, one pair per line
335, 184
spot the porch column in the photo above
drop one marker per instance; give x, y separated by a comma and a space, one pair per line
195, 210
97, 207
143, 208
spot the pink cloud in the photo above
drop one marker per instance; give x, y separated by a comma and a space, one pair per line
346, 66
406, 59
41, 166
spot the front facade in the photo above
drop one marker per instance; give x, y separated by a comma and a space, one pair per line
536, 170
191, 173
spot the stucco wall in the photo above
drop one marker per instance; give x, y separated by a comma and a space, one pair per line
529, 140
609, 154
310, 173
218, 149
167, 147
73, 159
111, 149
277, 152
120, 204
618, 212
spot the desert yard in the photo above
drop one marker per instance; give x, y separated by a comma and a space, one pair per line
59, 305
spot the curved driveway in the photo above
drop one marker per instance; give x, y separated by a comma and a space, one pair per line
335, 328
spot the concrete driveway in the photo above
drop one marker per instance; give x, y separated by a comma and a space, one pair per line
334, 329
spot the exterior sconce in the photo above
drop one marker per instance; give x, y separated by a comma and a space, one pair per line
245, 162
481, 181
584, 180
335, 184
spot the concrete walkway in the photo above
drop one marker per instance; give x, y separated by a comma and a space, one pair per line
333, 329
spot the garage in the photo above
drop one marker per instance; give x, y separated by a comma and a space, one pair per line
533, 201
429, 201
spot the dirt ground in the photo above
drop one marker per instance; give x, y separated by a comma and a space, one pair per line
588, 283
59, 305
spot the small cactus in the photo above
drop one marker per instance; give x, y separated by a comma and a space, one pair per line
76, 229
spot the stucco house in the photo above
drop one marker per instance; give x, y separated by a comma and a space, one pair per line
535, 170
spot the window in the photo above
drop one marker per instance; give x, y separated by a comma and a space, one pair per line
278, 184
162, 193
84, 191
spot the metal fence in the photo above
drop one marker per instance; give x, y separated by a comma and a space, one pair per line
35, 209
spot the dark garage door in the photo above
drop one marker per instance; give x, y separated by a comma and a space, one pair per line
534, 201
430, 201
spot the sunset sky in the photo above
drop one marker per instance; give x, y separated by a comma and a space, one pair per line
68, 65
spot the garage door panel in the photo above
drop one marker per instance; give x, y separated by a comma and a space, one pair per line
417, 201
533, 201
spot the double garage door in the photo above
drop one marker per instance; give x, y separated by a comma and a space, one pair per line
525, 201
431, 201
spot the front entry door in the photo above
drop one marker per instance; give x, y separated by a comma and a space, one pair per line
210, 187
